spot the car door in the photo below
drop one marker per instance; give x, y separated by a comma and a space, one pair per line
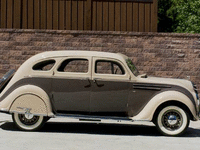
110, 87
71, 85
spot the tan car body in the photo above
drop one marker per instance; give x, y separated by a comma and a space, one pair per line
33, 99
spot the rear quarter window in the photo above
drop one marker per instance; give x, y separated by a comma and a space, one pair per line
44, 65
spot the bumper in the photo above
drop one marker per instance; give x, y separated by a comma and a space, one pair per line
198, 113
198, 107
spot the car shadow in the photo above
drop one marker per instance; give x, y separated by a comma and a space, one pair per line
90, 128
100, 129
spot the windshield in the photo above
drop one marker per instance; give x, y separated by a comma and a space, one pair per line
132, 67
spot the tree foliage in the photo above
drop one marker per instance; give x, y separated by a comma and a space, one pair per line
182, 16
164, 21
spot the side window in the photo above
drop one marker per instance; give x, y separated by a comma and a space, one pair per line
44, 65
74, 65
108, 67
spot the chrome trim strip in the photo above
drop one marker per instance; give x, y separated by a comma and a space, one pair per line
151, 85
146, 88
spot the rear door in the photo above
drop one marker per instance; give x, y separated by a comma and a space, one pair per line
110, 87
71, 85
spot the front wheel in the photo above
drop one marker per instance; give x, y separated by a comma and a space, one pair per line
28, 122
172, 121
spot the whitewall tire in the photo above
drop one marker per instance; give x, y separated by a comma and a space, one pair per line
28, 123
172, 121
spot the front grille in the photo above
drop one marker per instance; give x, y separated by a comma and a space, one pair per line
196, 93
197, 96
195, 89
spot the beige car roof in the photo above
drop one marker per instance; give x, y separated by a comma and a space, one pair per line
79, 53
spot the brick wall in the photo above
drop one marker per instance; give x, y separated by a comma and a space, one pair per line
157, 54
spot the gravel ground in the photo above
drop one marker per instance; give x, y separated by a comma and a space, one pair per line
63, 133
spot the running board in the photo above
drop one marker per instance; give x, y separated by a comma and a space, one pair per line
95, 120
103, 119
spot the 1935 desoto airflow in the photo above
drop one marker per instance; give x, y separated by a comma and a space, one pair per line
95, 86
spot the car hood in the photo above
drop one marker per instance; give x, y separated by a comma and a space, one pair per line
157, 80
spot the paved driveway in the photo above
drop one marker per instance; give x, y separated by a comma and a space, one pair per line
61, 133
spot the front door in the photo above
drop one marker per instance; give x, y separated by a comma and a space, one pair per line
110, 88
71, 86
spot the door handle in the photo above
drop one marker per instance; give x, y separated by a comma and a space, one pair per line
89, 85
95, 81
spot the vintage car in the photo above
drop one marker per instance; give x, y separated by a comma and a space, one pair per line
95, 86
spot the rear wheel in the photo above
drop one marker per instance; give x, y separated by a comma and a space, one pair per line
28, 122
172, 121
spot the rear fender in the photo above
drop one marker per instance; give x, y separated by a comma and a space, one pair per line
28, 97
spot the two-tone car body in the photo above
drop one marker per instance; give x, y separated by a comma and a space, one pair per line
95, 86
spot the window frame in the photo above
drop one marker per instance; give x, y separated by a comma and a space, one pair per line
73, 74
72, 60
110, 77
43, 60
109, 61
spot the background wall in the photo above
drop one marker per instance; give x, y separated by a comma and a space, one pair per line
157, 54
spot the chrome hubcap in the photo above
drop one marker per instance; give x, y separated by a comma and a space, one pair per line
28, 115
172, 120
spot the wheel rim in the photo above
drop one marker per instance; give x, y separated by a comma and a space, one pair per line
28, 120
172, 120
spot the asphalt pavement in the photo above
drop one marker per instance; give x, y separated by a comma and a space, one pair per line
67, 134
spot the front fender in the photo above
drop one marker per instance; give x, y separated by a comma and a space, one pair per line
27, 96
149, 110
